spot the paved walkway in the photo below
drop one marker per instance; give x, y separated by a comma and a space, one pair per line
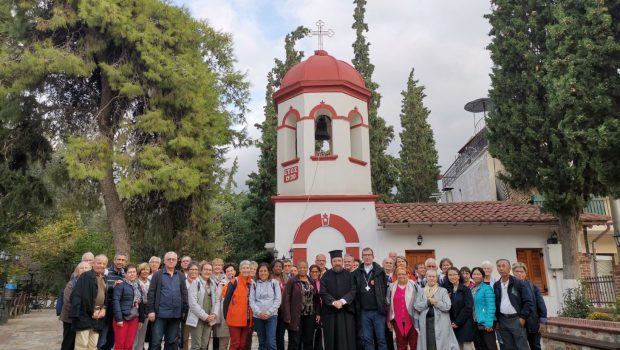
38, 330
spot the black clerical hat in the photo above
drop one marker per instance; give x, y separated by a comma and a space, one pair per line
335, 253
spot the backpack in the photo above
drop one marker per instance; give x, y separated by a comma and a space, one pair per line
228, 298
60, 300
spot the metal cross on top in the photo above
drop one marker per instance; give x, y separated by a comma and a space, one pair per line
321, 33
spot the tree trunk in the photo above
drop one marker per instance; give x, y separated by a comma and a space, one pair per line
569, 231
113, 205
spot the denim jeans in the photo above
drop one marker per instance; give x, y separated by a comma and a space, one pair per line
266, 332
166, 328
373, 324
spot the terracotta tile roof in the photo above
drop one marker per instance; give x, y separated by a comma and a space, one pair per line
492, 211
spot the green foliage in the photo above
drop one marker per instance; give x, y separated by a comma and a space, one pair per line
576, 303
418, 169
145, 97
257, 208
601, 316
556, 104
383, 166
57, 247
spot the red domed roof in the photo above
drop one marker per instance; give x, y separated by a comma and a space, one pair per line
322, 66
322, 73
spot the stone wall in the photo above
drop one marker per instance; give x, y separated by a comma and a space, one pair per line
571, 333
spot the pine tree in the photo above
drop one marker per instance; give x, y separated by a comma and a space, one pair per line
383, 166
418, 157
263, 183
555, 98
144, 96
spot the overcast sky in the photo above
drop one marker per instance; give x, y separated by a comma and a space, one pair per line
444, 40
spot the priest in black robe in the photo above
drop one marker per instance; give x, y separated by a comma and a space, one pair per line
338, 313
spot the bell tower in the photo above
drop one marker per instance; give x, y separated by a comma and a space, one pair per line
323, 159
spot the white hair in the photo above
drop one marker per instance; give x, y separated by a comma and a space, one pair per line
155, 259
101, 257
82, 264
170, 254
486, 263
244, 262
88, 256
430, 260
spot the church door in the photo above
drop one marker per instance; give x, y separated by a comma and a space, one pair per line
418, 256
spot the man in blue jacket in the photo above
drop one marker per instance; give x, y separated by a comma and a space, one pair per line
538, 318
513, 305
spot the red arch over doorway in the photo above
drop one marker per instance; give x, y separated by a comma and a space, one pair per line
330, 220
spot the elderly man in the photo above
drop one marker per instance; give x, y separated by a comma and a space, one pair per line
167, 303
88, 305
338, 313
321, 261
89, 258
114, 275
513, 306
185, 261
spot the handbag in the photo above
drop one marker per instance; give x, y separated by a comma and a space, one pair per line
133, 313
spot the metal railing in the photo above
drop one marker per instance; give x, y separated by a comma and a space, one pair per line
600, 290
467, 154
596, 205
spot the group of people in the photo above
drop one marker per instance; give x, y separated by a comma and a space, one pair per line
357, 304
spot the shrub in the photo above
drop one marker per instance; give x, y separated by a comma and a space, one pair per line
576, 304
602, 316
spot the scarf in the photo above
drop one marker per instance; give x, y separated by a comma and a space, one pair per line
429, 291
137, 291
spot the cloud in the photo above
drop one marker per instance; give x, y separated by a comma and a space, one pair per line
443, 40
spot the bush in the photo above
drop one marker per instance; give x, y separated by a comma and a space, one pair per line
602, 316
576, 304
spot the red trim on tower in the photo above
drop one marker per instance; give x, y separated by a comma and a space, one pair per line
321, 87
358, 125
322, 158
291, 112
341, 117
354, 251
356, 112
290, 162
325, 198
323, 105
286, 126
300, 254
306, 118
357, 161
336, 221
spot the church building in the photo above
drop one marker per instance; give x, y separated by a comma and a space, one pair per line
324, 198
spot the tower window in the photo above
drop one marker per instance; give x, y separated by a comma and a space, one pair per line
323, 136
356, 136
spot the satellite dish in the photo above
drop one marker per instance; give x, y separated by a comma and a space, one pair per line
479, 105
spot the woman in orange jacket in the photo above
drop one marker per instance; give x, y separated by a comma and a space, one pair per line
237, 309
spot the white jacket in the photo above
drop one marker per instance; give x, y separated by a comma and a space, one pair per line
195, 297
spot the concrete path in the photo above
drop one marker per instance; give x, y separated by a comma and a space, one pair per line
36, 330
39, 330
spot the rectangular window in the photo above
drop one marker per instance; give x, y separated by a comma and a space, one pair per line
534, 260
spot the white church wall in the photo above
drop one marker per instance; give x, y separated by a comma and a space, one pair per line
290, 215
469, 245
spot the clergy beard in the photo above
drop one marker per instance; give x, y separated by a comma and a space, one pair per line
337, 268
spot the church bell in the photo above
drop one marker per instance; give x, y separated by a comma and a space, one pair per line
321, 133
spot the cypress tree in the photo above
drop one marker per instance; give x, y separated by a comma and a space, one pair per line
418, 157
555, 99
263, 183
383, 166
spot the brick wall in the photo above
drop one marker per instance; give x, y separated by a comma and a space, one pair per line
571, 333
585, 266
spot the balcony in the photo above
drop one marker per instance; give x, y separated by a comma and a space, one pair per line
596, 205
